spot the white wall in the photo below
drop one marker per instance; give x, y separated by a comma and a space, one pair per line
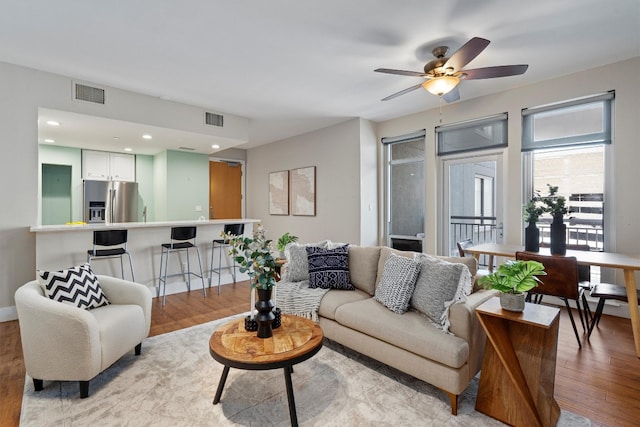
336, 153
23, 91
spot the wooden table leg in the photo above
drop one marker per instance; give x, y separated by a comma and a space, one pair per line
223, 379
292, 403
632, 296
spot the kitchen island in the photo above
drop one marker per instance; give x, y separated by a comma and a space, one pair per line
62, 246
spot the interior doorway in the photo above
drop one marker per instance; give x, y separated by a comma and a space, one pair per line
225, 189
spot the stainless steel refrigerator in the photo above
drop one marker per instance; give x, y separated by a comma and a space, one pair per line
110, 201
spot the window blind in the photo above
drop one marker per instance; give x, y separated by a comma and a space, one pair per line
473, 135
583, 121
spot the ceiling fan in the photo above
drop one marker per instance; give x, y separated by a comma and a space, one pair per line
443, 74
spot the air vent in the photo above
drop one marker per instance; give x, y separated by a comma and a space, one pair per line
89, 94
214, 119
186, 148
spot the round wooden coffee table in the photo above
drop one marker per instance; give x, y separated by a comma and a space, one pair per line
295, 341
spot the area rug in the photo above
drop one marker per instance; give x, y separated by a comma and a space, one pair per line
174, 381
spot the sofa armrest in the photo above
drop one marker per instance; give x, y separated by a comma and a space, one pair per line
465, 324
59, 341
119, 291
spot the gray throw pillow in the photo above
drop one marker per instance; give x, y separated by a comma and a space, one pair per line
329, 268
397, 283
297, 264
439, 285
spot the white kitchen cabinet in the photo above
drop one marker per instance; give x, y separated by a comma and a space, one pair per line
105, 166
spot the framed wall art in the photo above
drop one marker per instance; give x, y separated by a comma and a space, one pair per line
279, 193
303, 191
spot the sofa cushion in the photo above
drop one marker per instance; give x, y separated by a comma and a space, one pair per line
122, 327
76, 286
363, 265
337, 297
397, 283
439, 285
410, 331
329, 268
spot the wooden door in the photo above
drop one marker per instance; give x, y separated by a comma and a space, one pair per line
225, 190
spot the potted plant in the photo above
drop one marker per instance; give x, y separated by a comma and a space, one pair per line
254, 257
556, 206
532, 212
284, 240
512, 280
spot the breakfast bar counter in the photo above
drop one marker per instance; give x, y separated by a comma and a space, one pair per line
63, 246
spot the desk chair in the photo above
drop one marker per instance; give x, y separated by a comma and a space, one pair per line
606, 291
110, 238
561, 281
462, 245
182, 239
222, 245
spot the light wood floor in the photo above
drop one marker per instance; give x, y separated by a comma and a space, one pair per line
601, 381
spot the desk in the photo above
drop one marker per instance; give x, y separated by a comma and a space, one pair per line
629, 264
519, 365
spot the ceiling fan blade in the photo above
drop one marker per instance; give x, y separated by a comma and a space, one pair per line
466, 53
452, 95
400, 72
402, 92
491, 72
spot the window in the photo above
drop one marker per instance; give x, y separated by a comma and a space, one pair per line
405, 188
488, 132
565, 145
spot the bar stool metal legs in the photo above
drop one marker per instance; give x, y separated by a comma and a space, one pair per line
179, 237
221, 245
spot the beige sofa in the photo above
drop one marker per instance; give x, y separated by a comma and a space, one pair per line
408, 342
61, 342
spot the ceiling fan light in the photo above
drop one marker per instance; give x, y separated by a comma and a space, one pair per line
441, 85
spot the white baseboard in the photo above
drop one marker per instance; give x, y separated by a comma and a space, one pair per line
8, 313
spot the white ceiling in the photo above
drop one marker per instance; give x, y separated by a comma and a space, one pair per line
293, 66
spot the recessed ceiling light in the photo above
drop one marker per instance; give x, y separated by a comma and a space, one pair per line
53, 123
128, 149
116, 137
49, 140
147, 136
216, 146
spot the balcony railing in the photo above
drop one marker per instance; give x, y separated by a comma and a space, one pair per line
483, 229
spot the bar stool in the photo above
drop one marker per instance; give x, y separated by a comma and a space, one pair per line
221, 245
182, 239
109, 238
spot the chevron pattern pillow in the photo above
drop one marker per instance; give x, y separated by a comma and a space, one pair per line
77, 286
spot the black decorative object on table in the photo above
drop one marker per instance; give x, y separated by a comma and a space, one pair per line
250, 324
558, 236
532, 238
277, 321
265, 315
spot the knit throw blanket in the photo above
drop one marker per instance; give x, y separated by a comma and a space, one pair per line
298, 299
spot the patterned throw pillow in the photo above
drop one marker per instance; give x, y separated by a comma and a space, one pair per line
329, 268
439, 285
77, 286
397, 283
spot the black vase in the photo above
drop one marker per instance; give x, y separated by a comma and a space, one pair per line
558, 236
265, 315
532, 238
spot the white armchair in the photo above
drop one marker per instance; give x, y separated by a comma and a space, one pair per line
64, 343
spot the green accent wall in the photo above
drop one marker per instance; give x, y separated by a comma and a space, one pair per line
187, 185
56, 194
63, 156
